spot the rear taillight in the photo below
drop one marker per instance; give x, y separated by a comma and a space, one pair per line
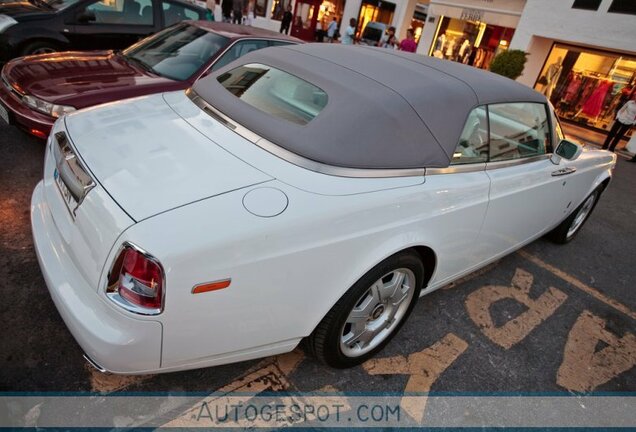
136, 281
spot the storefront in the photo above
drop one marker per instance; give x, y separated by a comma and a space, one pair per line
378, 11
469, 41
587, 86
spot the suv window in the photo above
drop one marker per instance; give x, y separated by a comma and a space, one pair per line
174, 13
126, 12
518, 130
239, 49
473, 142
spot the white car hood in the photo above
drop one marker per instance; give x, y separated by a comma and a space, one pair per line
150, 160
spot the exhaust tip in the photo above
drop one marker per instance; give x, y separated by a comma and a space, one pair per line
95, 365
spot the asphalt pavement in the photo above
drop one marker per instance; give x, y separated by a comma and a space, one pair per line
548, 318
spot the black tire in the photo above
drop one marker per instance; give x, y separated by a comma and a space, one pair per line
39, 47
561, 234
324, 342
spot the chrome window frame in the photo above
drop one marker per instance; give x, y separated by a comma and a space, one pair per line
294, 158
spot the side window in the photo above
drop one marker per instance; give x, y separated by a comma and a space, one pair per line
518, 130
174, 13
239, 49
125, 12
473, 142
278, 43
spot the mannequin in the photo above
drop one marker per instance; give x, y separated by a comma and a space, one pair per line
441, 43
552, 76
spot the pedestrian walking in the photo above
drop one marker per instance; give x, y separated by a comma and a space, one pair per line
349, 35
237, 12
409, 44
226, 10
625, 118
286, 21
332, 29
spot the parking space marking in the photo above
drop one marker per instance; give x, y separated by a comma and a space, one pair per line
424, 368
578, 284
583, 368
478, 305
270, 375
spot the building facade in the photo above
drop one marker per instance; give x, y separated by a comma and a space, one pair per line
582, 55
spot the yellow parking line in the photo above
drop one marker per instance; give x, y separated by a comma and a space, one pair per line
578, 284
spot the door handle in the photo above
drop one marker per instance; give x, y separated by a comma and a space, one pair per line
563, 171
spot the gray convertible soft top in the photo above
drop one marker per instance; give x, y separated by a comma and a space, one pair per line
385, 109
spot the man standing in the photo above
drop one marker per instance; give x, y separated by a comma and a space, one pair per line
331, 30
388, 40
409, 44
625, 118
237, 12
349, 36
286, 21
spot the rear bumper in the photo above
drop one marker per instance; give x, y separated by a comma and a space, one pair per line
115, 341
22, 116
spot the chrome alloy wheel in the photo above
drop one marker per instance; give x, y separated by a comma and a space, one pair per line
581, 215
377, 312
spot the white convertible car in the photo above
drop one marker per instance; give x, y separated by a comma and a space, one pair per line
308, 192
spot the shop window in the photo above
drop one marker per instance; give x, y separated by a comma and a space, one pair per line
473, 142
623, 6
517, 130
470, 42
587, 86
278, 8
586, 4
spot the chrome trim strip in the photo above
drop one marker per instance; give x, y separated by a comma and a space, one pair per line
94, 364
454, 169
293, 157
122, 302
514, 162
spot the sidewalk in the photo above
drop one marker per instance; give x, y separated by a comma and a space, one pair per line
590, 137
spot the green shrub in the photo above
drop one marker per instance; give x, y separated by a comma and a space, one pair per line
509, 63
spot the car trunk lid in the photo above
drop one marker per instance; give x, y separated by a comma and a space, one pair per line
150, 160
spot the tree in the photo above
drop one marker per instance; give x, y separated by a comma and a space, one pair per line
509, 63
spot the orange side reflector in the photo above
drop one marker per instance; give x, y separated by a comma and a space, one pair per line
211, 286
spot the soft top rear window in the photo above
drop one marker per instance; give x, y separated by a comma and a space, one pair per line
275, 92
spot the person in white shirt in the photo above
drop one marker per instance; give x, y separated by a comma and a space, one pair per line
348, 38
331, 30
625, 118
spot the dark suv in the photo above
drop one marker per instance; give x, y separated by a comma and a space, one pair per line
42, 26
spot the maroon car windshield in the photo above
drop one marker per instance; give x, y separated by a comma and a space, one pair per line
177, 52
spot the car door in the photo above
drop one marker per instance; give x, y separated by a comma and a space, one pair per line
527, 195
112, 24
460, 200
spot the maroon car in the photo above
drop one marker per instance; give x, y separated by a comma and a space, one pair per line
38, 89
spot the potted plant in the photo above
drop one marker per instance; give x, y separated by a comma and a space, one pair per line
509, 63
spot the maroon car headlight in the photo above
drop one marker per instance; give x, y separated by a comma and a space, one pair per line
46, 107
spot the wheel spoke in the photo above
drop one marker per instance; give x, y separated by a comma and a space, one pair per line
388, 290
376, 291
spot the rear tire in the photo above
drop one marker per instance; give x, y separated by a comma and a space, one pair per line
370, 313
39, 47
571, 226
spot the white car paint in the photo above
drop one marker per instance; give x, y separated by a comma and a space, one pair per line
288, 269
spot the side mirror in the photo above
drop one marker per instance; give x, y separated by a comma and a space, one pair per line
567, 150
85, 17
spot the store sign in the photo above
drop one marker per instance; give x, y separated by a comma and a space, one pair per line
472, 15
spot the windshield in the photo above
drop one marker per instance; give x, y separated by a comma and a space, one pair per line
57, 4
177, 52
